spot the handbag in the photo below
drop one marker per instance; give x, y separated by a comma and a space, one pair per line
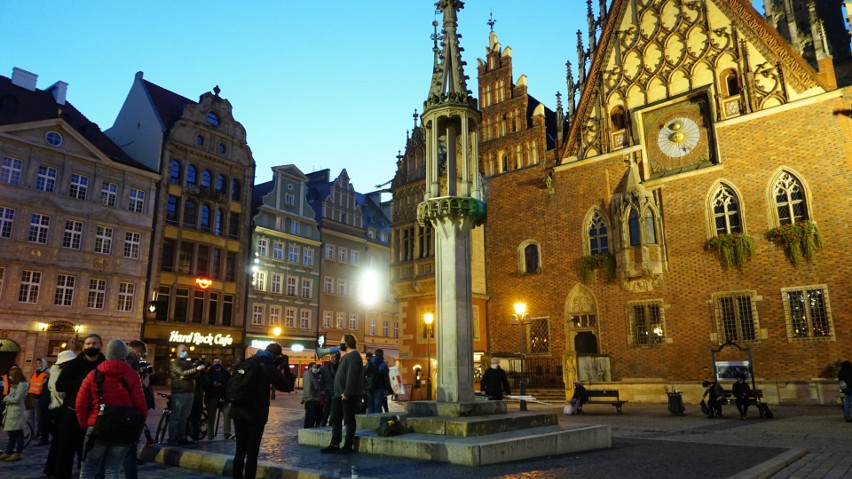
116, 424
29, 402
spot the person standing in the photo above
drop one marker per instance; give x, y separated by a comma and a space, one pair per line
327, 373
183, 374
14, 416
250, 417
69, 435
494, 382
55, 408
310, 396
41, 395
121, 386
377, 382
215, 383
844, 376
348, 389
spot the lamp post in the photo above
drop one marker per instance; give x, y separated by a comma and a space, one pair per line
520, 317
428, 319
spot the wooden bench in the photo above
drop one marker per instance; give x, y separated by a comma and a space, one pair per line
754, 399
600, 396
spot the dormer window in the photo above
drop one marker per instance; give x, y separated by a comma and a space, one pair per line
212, 118
53, 138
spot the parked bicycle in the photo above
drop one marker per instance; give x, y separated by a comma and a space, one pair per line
163, 425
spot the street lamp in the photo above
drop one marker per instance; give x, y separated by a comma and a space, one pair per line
428, 319
520, 317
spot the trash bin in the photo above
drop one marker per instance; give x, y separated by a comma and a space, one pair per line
676, 403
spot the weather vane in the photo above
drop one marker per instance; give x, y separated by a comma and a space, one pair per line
491, 20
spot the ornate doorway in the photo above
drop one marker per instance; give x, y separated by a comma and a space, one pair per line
582, 344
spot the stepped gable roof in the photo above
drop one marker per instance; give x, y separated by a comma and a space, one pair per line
169, 105
26, 106
743, 16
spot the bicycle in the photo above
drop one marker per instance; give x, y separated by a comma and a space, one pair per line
29, 431
163, 425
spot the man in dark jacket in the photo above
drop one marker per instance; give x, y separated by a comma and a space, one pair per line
494, 382
215, 383
250, 419
348, 389
844, 378
183, 374
327, 373
69, 436
377, 382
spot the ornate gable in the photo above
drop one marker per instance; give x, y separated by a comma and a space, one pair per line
703, 61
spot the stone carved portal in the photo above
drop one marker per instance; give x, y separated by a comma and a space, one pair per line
581, 356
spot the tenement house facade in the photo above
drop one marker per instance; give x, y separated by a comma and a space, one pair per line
283, 296
75, 227
199, 271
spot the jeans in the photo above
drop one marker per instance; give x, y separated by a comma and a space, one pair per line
375, 398
103, 457
343, 412
16, 441
181, 407
313, 414
847, 406
213, 408
130, 462
67, 444
249, 435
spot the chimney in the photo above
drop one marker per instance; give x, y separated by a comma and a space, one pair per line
24, 79
59, 89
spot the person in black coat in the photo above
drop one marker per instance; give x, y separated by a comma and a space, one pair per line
494, 382
327, 373
844, 377
250, 419
741, 393
215, 383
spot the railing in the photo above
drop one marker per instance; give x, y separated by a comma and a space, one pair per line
539, 373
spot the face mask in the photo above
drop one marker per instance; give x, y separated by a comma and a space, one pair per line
217, 366
494, 366
91, 352
316, 370
183, 355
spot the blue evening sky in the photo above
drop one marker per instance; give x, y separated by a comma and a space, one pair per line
320, 84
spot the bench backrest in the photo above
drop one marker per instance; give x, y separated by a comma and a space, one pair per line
613, 393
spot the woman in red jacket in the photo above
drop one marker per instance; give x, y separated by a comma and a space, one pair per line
101, 454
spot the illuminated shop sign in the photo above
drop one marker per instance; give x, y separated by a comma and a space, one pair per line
203, 283
201, 338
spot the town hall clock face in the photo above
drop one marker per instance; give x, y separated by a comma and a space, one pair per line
677, 138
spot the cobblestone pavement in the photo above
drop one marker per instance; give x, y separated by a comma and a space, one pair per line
647, 442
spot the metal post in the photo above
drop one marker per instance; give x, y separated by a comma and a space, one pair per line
523, 386
429, 364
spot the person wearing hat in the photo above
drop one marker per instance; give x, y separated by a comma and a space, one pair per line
579, 398
494, 382
121, 387
55, 407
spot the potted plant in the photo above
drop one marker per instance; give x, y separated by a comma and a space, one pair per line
590, 263
798, 240
734, 249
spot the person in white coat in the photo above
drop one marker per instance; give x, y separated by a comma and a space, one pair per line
14, 417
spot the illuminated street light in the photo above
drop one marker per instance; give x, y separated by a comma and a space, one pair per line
520, 317
428, 319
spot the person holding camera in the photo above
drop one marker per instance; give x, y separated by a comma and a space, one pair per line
215, 384
184, 374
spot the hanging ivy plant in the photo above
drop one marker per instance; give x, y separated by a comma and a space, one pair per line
798, 240
605, 261
734, 249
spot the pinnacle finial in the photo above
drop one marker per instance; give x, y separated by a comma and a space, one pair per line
415, 117
216, 90
491, 20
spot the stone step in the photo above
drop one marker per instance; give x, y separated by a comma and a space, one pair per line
474, 450
463, 426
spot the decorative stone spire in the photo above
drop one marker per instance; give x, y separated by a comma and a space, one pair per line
449, 83
581, 59
590, 20
559, 117
569, 79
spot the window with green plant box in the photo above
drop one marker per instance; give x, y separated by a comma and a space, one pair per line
647, 324
736, 316
808, 313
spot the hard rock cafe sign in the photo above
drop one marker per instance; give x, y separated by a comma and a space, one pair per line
201, 338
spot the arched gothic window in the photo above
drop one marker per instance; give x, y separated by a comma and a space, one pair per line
726, 211
633, 227
790, 200
598, 235
531, 258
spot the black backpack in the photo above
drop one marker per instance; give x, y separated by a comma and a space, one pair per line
372, 378
241, 386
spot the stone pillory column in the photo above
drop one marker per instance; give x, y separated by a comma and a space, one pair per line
452, 205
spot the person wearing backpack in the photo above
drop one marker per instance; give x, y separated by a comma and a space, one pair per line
377, 381
248, 392
112, 383
327, 374
348, 389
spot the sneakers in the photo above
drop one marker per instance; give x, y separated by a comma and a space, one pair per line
330, 449
5, 455
14, 457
